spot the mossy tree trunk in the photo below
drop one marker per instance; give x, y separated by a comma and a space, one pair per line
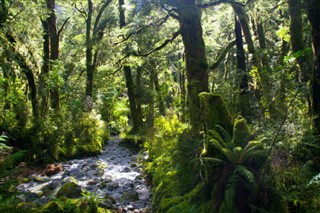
195, 54
313, 10
54, 52
243, 103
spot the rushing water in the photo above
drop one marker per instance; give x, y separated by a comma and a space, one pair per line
115, 174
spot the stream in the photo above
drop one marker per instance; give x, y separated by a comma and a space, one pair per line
114, 176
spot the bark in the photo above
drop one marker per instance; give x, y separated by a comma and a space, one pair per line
136, 124
137, 95
242, 16
54, 53
313, 10
159, 96
43, 82
150, 116
136, 119
195, 54
89, 55
297, 40
243, 104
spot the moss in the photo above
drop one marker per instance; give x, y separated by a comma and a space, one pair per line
70, 190
214, 112
241, 132
52, 206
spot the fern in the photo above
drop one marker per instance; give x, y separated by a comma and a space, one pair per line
315, 180
246, 174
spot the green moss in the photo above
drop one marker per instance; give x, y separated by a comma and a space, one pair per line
52, 206
214, 112
241, 132
69, 190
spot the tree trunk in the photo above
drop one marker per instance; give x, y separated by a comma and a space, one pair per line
137, 95
313, 10
195, 53
54, 53
136, 119
44, 76
297, 40
89, 58
136, 124
243, 104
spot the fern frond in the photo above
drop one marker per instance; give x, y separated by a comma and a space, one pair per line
3, 138
215, 161
224, 134
216, 136
246, 174
314, 180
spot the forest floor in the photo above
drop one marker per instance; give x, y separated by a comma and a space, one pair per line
114, 176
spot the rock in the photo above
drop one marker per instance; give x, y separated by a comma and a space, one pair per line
40, 179
112, 186
91, 182
106, 204
53, 184
108, 179
126, 169
70, 190
77, 173
69, 179
31, 196
132, 195
133, 165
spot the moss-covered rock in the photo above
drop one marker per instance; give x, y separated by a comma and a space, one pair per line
214, 112
69, 190
241, 132
25, 206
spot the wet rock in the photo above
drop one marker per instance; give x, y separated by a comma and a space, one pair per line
70, 190
91, 182
31, 196
76, 172
133, 165
126, 169
106, 204
53, 184
40, 179
69, 179
112, 186
132, 195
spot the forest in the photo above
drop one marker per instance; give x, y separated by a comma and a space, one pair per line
219, 100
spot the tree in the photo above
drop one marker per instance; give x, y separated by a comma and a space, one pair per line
189, 17
93, 37
131, 90
313, 11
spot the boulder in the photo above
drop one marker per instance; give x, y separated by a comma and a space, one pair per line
70, 190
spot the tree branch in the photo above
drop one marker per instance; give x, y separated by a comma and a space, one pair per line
222, 55
82, 12
102, 9
64, 23
215, 3
167, 41
156, 24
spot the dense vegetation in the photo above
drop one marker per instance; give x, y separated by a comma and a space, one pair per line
223, 94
